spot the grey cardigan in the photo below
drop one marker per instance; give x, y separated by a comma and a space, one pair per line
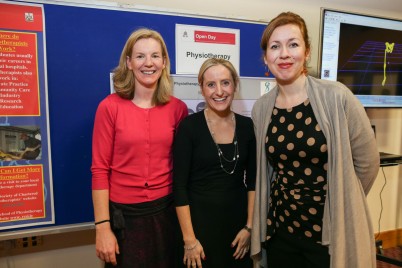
353, 164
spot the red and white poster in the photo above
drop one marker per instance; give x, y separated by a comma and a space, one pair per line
26, 195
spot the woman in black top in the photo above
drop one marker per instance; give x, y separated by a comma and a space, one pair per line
214, 175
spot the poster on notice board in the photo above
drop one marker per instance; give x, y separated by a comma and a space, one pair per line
26, 195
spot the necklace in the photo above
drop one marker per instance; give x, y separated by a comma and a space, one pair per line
222, 158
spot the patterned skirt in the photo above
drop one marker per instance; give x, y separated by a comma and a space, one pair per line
145, 233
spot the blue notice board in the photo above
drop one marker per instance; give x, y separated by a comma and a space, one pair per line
83, 45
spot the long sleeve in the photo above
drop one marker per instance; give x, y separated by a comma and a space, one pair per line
366, 158
102, 145
182, 159
251, 159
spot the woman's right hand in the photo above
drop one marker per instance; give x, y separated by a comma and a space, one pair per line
106, 244
193, 253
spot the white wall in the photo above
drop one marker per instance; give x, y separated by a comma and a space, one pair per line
71, 257
61, 250
388, 122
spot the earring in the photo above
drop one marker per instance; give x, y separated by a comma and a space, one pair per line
266, 70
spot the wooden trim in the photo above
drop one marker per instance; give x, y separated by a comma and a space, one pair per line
391, 238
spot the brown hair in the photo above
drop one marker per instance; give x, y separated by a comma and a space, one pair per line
214, 62
285, 18
123, 78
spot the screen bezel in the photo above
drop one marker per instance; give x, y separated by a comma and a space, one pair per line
398, 103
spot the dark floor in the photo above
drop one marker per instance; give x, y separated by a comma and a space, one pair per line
394, 253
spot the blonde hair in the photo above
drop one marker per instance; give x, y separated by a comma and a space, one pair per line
124, 79
214, 62
285, 18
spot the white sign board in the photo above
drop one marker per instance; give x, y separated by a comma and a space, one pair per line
195, 44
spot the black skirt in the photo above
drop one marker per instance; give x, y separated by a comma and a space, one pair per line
144, 232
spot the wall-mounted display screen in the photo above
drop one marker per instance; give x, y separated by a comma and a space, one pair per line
364, 53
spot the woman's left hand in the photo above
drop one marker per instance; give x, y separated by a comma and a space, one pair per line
242, 241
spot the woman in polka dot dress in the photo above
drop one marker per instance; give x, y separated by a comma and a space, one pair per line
316, 160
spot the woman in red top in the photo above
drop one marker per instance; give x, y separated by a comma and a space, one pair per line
132, 158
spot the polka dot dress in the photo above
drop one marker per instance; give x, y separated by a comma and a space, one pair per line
296, 147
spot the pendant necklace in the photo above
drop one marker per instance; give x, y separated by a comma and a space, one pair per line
222, 158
